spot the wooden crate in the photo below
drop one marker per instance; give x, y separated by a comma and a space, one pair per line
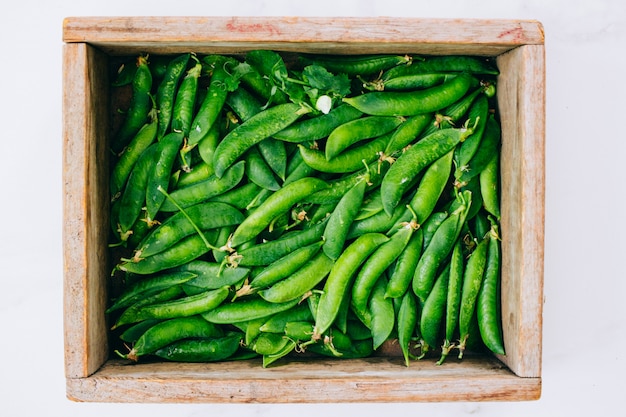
92, 375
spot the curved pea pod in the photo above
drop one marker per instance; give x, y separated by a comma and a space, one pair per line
263, 63
201, 349
407, 320
348, 161
381, 310
277, 203
260, 126
341, 218
409, 82
353, 65
374, 267
431, 186
159, 178
246, 309
380, 222
170, 331
341, 276
180, 253
274, 153
243, 103
203, 216
489, 147
134, 195
408, 132
284, 266
478, 114
490, 187
402, 275
430, 226
209, 109
166, 92
239, 197
453, 299
210, 276
185, 100
129, 156
416, 158
434, 308
258, 171
186, 306
129, 315
265, 253
445, 64
364, 128
472, 281
204, 190
318, 127
401, 103
279, 321
139, 107
487, 303
151, 284
295, 286
437, 250
286, 348
134, 332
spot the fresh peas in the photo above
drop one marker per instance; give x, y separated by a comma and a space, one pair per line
412, 103
271, 204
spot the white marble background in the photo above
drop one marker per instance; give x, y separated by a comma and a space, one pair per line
585, 279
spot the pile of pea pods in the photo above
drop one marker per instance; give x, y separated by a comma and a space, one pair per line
270, 205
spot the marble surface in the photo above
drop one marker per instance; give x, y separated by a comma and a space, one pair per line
584, 319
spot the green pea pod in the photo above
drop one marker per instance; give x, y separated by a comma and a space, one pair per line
341, 276
260, 126
202, 349
159, 178
208, 143
402, 274
358, 130
246, 309
382, 313
478, 114
284, 266
318, 127
434, 308
376, 264
348, 161
487, 304
130, 314
380, 222
243, 103
407, 320
472, 280
153, 284
204, 216
430, 226
170, 331
134, 196
197, 173
263, 64
258, 171
268, 252
489, 146
453, 299
178, 254
341, 218
210, 276
166, 92
274, 153
445, 64
438, 249
279, 321
211, 106
134, 332
277, 203
408, 132
410, 82
239, 197
431, 186
186, 306
205, 190
139, 107
490, 187
393, 103
124, 165
185, 100
362, 65
295, 286
410, 163
288, 347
